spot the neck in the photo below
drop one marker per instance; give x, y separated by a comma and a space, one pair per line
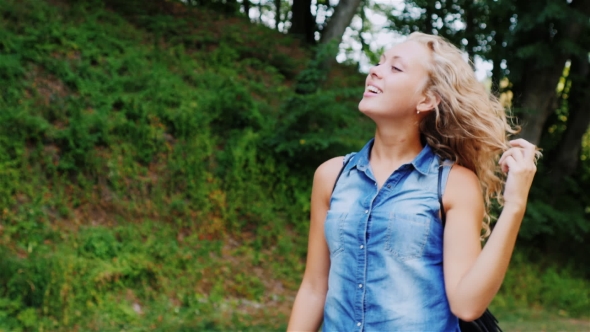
396, 145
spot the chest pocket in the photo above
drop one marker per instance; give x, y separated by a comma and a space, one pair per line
407, 235
333, 231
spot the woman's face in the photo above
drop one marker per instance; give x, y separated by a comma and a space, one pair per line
394, 87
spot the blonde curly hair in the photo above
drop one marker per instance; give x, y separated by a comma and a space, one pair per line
469, 126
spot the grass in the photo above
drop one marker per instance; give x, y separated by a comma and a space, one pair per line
531, 319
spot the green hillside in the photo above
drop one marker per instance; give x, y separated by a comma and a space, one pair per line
155, 170
150, 162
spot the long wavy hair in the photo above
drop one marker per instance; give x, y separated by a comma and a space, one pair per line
470, 126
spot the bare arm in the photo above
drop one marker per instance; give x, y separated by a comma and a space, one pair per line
308, 309
473, 276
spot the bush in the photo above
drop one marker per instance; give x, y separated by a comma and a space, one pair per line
543, 284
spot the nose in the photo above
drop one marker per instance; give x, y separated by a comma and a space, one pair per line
374, 71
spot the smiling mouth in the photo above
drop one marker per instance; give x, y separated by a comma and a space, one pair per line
373, 89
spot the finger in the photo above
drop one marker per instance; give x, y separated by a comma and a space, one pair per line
516, 153
503, 157
529, 149
507, 163
520, 142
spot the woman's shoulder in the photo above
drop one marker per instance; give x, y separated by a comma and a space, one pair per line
461, 175
463, 186
335, 163
329, 169
327, 173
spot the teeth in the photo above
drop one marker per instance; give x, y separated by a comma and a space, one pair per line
373, 89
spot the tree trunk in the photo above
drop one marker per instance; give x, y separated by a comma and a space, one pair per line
277, 14
247, 8
470, 33
339, 21
539, 84
567, 153
231, 6
498, 24
537, 94
302, 21
429, 10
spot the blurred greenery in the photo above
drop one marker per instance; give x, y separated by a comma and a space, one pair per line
156, 165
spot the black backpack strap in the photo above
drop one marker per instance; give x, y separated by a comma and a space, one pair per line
439, 188
441, 168
340, 173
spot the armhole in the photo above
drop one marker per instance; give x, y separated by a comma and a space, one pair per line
345, 162
442, 185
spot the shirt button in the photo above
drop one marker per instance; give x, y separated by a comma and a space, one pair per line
366, 211
388, 186
360, 285
362, 246
358, 324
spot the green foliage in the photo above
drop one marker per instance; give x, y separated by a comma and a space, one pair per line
98, 243
543, 284
118, 119
310, 79
113, 278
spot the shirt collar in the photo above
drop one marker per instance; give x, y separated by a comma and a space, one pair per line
421, 162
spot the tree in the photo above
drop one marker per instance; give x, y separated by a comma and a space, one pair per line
246, 4
339, 21
303, 23
544, 41
566, 155
277, 14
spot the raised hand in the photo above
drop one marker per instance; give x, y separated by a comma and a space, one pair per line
520, 163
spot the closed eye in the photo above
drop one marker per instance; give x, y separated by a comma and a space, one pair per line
395, 68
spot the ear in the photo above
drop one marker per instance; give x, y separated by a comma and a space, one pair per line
428, 102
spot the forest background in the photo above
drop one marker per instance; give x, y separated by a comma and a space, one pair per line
156, 156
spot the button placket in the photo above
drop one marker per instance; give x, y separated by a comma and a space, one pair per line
362, 277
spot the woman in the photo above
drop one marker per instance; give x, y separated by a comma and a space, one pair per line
375, 254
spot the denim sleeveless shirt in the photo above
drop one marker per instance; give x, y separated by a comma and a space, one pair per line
385, 246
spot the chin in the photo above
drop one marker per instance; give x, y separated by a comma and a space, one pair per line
364, 106
371, 113
369, 110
